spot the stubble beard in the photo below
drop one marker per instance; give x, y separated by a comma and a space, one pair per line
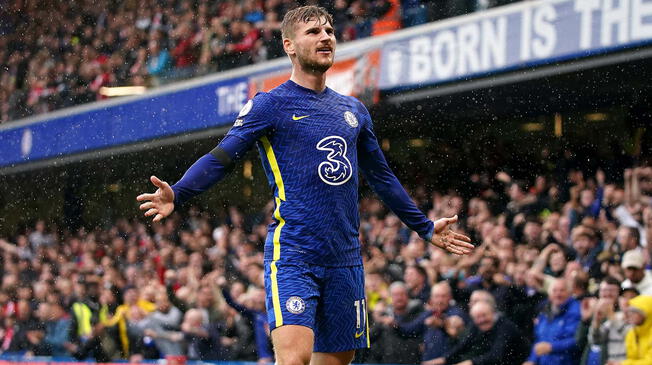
313, 66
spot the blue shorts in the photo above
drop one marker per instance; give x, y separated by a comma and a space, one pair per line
329, 300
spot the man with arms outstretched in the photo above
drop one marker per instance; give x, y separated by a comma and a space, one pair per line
312, 141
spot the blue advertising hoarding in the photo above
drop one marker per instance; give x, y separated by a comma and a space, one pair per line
186, 110
513, 37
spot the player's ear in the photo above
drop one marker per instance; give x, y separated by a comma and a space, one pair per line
288, 46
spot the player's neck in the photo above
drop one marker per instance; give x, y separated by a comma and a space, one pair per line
314, 81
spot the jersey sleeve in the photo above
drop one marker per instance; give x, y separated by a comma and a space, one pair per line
382, 180
251, 124
254, 120
367, 141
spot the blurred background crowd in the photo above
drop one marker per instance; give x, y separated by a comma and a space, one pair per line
561, 276
55, 54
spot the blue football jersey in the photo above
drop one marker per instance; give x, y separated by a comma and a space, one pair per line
308, 143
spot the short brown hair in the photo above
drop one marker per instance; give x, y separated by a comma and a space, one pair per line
303, 14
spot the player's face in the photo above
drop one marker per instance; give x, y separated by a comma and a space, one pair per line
314, 45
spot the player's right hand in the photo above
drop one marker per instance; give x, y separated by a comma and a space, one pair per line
160, 203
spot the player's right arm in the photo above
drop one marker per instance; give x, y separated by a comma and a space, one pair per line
251, 124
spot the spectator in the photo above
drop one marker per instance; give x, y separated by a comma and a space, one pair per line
343, 29
140, 346
493, 339
637, 340
486, 280
629, 239
550, 264
38, 237
8, 334
86, 325
124, 313
163, 325
243, 48
416, 280
25, 321
431, 324
522, 204
601, 333
526, 299
257, 316
158, 61
586, 247
586, 205
376, 288
555, 330
214, 45
360, 25
184, 50
393, 347
31, 328
237, 337
633, 265
57, 328
201, 341
482, 296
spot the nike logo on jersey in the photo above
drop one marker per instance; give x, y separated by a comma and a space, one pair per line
358, 335
294, 117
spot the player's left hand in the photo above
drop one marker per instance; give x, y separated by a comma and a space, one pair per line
444, 237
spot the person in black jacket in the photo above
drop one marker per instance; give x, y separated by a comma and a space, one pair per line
390, 344
493, 340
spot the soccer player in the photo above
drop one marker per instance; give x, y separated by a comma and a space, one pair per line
312, 142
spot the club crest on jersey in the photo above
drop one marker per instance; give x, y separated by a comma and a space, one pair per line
350, 119
246, 108
295, 305
238, 122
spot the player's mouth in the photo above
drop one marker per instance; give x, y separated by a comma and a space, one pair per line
325, 50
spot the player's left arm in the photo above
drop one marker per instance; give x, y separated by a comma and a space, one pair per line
383, 181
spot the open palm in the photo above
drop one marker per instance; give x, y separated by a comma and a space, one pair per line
444, 237
159, 204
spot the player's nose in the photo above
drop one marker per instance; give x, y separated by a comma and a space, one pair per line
326, 37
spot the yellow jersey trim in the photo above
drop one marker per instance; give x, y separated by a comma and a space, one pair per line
273, 164
276, 300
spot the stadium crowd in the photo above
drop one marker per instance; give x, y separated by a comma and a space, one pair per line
56, 54
561, 276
